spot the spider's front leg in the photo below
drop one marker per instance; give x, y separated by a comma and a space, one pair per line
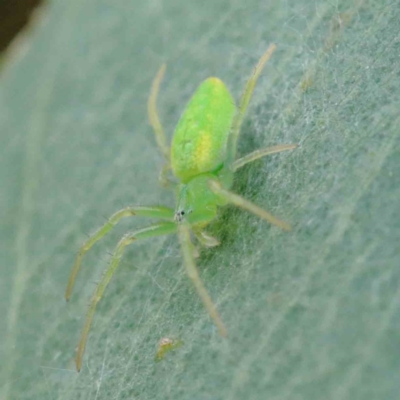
164, 228
152, 212
190, 265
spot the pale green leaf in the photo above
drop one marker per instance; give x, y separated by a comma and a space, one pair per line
313, 314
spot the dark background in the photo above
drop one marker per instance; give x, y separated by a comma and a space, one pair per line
14, 15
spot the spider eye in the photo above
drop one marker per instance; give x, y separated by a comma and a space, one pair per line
179, 215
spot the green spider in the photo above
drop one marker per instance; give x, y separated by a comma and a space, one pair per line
202, 157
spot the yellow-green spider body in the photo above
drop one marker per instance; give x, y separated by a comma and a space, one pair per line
202, 159
198, 152
200, 138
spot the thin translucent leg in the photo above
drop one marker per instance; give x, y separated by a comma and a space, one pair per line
153, 114
163, 228
187, 251
163, 177
205, 239
152, 212
244, 102
255, 155
241, 202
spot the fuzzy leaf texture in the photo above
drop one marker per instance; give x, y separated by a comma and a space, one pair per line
311, 314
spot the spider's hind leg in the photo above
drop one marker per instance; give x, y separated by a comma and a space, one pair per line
159, 132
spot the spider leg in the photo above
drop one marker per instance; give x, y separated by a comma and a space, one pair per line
155, 122
244, 103
163, 178
205, 239
190, 265
152, 212
164, 228
255, 155
241, 202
